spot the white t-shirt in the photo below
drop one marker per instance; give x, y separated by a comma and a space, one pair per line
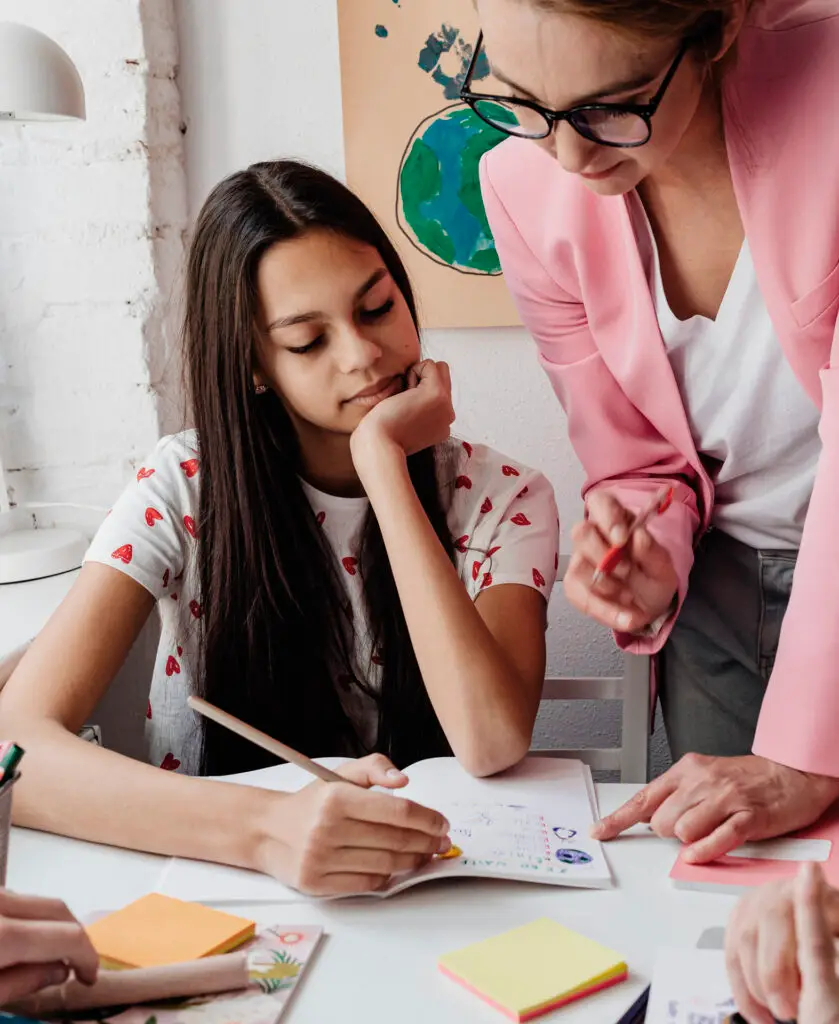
503, 522
749, 414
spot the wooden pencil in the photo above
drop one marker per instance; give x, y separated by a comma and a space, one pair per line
263, 740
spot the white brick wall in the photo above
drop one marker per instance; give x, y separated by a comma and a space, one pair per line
92, 217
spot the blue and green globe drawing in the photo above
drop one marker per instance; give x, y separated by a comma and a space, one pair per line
439, 205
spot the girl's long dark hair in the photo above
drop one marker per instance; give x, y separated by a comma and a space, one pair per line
276, 639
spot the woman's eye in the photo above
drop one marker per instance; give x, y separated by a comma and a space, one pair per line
303, 349
369, 315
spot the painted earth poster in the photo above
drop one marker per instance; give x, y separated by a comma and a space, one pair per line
413, 149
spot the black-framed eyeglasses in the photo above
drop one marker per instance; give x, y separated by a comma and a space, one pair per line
623, 125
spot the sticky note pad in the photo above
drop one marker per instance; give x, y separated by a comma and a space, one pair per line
533, 969
157, 930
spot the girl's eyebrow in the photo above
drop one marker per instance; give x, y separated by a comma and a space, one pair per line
305, 318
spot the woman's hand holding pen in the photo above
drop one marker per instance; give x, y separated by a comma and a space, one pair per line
643, 584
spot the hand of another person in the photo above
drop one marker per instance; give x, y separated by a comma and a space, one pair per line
417, 418
338, 838
713, 804
40, 943
780, 954
642, 586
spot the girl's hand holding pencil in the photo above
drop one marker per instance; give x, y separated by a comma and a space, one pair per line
345, 839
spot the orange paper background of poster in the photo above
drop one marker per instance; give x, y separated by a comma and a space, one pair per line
386, 95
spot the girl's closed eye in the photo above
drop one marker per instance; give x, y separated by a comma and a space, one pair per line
301, 350
371, 315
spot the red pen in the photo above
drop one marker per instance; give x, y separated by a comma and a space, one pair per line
662, 501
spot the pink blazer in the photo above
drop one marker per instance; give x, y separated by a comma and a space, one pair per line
572, 262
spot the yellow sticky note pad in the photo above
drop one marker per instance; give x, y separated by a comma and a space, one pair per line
533, 969
157, 930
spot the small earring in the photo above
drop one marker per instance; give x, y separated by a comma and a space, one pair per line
260, 389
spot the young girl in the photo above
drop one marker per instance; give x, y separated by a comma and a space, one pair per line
328, 565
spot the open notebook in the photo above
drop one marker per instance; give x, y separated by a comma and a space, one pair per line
529, 824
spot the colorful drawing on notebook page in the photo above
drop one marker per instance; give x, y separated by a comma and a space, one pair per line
504, 837
573, 857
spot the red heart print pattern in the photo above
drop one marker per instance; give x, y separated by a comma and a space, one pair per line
377, 659
520, 519
486, 507
510, 471
174, 597
538, 578
320, 518
166, 579
173, 668
170, 763
153, 516
148, 711
191, 529
487, 580
350, 564
521, 494
190, 468
476, 568
123, 554
196, 609
492, 551
460, 544
144, 474
180, 650
467, 448
463, 481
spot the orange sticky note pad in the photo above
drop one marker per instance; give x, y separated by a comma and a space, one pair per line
157, 930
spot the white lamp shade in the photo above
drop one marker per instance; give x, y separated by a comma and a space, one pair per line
38, 81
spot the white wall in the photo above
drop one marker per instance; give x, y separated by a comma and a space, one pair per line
92, 217
260, 79
91, 223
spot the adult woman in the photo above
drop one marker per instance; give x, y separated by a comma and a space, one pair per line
692, 200
326, 562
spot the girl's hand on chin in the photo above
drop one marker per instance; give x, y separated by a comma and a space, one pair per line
417, 418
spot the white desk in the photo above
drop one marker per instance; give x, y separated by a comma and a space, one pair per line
378, 962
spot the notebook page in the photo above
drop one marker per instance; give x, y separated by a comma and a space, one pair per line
690, 985
530, 823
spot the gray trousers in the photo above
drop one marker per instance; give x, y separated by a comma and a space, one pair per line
714, 668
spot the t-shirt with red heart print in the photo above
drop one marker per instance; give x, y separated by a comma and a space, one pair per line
504, 527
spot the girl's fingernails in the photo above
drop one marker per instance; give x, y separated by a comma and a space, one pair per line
623, 620
445, 845
617, 535
394, 773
